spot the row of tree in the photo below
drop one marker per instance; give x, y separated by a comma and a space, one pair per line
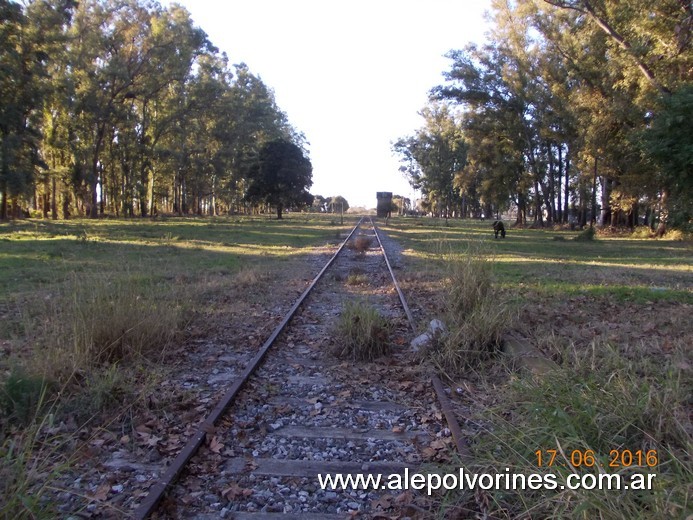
575, 110
124, 107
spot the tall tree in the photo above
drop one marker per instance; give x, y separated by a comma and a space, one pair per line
280, 176
27, 39
434, 156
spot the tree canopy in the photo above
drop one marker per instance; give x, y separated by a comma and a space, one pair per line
280, 176
124, 107
573, 110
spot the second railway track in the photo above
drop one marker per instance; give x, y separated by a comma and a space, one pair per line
303, 412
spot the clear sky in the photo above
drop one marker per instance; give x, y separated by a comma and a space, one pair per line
352, 76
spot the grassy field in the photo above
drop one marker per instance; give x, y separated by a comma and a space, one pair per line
37, 254
555, 264
90, 308
612, 318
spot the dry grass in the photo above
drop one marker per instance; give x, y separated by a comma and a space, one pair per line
249, 277
361, 244
100, 321
477, 315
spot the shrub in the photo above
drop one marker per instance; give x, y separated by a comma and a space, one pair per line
362, 333
21, 395
642, 232
588, 234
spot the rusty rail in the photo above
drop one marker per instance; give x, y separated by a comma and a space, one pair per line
445, 403
156, 492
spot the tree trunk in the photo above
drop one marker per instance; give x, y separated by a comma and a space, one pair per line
559, 205
46, 197
66, 204
54, 200
93, 187
521, 210
3, 203
593, 217
662, 228
280, 207
538, 216
567, 187
605, 217
551, 196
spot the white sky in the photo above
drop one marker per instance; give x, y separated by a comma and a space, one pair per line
351, 76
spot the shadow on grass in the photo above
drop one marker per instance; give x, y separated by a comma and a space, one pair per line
629, 269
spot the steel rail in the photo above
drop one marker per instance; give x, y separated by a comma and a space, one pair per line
445, 404
158, 489
402, 300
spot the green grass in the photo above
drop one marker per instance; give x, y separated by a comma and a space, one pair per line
362, 333
613, 314
596, 404
629, 269
36, 253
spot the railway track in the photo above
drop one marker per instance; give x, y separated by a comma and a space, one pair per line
297, 412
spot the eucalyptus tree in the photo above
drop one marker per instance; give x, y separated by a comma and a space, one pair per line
250, 117
668, 144
17, 95
337, 204
169, 46
627, 58
29, 36
433, 156
495, 90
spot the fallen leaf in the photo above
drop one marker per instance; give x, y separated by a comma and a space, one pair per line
215, 446
101, 493
385, 502
404, 498
235, 491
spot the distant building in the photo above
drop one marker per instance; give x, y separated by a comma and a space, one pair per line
384, 203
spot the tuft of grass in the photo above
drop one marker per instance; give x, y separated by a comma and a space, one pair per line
21, 395
99, 321
361, 244
588, 235
677, 235
597, 403
362, 333
249, 277
29, 471
477, 315
641, 232
357, 277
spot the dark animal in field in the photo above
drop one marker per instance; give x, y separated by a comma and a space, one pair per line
499, 227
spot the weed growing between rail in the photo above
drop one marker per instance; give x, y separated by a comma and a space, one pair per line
360, 244
362, 333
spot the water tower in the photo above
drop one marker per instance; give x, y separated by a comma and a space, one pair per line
384, 203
